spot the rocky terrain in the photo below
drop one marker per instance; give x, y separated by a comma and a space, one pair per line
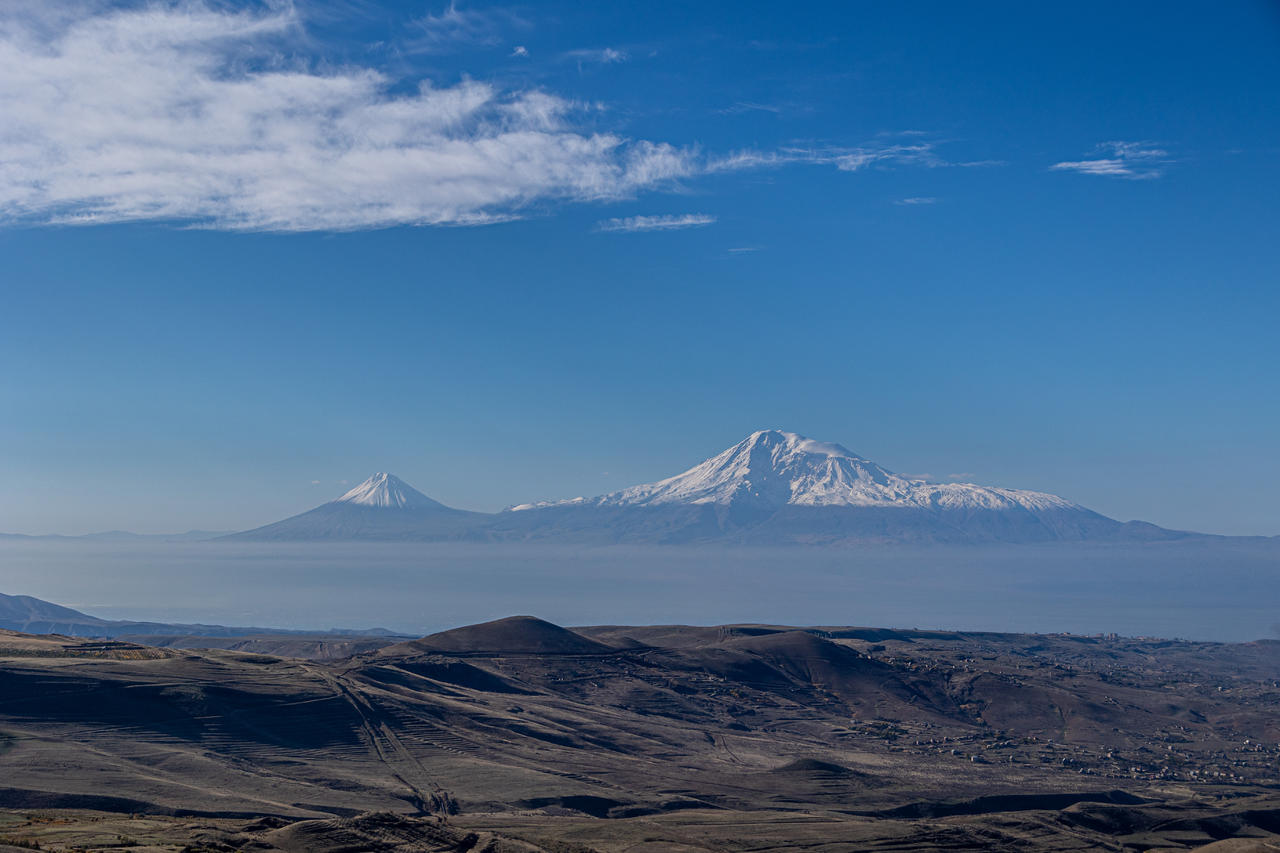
522, 735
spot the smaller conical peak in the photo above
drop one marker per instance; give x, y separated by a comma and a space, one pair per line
388, 491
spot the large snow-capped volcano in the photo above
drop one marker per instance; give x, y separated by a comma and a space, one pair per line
388, 490
773, 469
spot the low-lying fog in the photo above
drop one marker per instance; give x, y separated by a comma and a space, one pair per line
1196, 591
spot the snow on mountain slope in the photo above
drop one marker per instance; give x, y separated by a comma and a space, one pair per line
772, 469
390, 492
382, 507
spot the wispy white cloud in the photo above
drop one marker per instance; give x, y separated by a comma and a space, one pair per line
747, 159
656, 223
882, 154
916, 154
186, 113
520, 50
750, 107
603, 55
914, 200
1131, 160
743, 250
457, 26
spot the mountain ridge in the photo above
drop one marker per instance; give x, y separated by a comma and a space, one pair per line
32, 615
771, 488
123, 536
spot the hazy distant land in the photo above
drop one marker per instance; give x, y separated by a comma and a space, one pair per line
1199, 590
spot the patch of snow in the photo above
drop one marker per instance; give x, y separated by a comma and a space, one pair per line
541, 504
387, 491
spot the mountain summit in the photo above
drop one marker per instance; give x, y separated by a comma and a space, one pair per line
388, 490
771, 469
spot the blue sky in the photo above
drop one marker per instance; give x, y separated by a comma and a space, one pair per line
251, 253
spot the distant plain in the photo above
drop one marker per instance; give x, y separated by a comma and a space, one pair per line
1221, 591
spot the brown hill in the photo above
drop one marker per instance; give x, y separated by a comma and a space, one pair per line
514, 635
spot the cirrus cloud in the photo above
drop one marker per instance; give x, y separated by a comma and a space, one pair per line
879, 154
604, 55
454, 27
664, 222
1131, 160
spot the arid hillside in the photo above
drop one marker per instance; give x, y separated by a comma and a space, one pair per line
519, 735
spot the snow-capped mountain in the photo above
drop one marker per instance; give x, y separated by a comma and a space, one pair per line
776, 487
772, 488
382, 507
388, 490
772, 469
